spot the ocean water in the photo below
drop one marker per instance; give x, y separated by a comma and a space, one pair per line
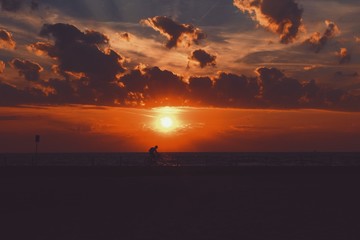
182, 159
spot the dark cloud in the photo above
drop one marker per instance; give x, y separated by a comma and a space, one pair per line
43, 49
135, 81
277, 89
6, 39
151, 86
235, 90
311, 95
177, 34
344, 56
342, 74
30, 70
90, 67
34, 5
80, 92
317, 41
203, 58
16, 5
164, 83
10, 95
11, 5
201, 90
82, 53
155, 85
283, 17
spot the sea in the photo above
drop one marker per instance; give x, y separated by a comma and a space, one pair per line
183, 159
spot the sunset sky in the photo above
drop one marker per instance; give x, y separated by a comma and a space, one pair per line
187, 75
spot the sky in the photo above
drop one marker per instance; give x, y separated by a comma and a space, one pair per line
187, 75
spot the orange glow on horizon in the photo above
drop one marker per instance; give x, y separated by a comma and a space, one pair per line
176, 129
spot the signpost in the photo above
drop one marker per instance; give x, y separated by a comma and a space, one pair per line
37, 140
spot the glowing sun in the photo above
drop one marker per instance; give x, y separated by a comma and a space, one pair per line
166, 122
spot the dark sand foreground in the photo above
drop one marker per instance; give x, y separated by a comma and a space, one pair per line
180, 203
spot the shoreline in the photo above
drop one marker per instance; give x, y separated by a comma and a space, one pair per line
175, 170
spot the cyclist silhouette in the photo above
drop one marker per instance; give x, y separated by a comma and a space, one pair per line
153, 154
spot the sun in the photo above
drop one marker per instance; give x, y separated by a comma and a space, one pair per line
166, 122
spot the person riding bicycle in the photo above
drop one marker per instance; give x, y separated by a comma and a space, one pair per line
153, 154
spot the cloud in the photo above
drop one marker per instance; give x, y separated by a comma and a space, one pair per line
135, 81
277, 89
154, 85
317, 41
6, 39
66, 91
16, 5
344, 56
10, 95
85, 59
43, 49
34, 5
81, 53
201, 90
203, 58
235, 90
164, 83
31, 71
176, 33
11, 5
342, 74
2, 66
283, 17
125, 36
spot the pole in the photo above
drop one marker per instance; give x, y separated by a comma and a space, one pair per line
37, 140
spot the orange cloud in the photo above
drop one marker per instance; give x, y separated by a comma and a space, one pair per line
42, 49
344, 56
318, 41
125, 36
31, 71
177, 34
283, 17
6, 39
2, 66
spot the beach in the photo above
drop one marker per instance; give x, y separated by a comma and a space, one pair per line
179, 202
